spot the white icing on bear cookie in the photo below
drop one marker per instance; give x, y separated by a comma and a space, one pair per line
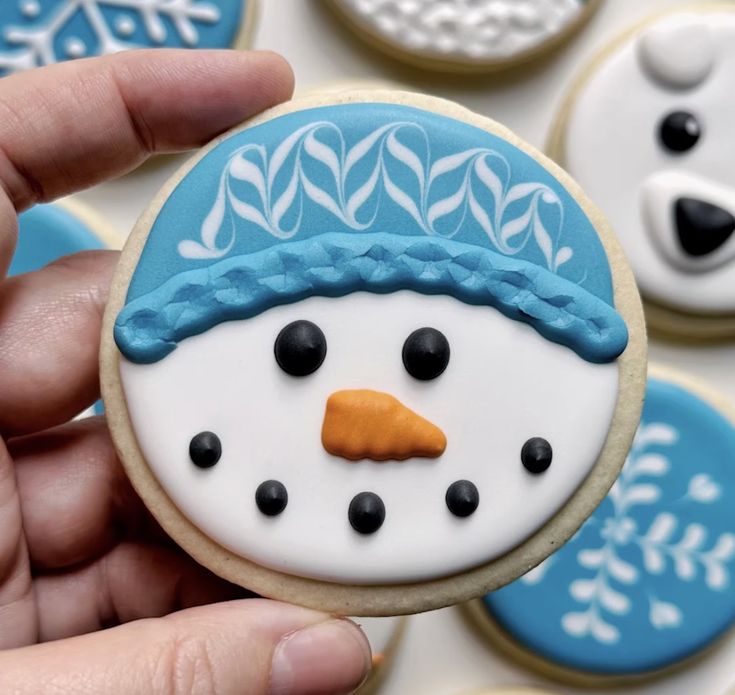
650, 138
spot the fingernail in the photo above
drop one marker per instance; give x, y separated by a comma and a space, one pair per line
329, 657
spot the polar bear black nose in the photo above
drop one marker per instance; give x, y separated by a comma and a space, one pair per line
702, 227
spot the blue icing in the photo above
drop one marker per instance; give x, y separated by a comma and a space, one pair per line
76, 28
46, 233
648, 580
360, 169
333, 265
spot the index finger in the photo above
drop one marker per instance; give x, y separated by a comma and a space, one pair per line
69, 126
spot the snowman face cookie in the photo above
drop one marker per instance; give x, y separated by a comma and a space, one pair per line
463, 35
648, 135
359, 337
41, 32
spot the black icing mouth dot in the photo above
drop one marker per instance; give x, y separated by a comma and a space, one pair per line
300, 348
426, 354
205, 449
462, 498
271, 497
536, 455
366, 512
679, 132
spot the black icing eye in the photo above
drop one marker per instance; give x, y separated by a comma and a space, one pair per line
462, 498
679, 131
426, 354
366, 512
536, 455
205, 449
271, 497
300, 348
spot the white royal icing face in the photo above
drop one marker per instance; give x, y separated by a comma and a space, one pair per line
464, 30
504, 384
651, 141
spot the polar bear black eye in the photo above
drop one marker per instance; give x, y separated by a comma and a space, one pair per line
426, 354
300, 348
271, 497
205, 449
536, 455
679, 131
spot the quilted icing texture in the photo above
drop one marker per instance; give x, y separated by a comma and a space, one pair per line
336, 264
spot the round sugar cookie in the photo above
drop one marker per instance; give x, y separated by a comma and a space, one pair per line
385, 636
511, 691
40, 32
646, 130
465, 36
346, 341
647, 583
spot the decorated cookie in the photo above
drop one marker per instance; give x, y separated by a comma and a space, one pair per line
647, 132
385, 636
648, 581
352, 338
461, 35
40, 32
48, 232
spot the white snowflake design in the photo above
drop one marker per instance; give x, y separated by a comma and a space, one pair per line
35, 43
510, 215
686, 557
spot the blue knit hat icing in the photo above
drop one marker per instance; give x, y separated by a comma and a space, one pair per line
373, 197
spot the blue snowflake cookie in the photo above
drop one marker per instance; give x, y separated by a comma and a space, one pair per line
41, 32
648, 581
48, 232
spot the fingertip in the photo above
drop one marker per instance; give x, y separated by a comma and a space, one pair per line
278, 73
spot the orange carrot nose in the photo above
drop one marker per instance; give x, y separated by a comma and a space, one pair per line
365, 424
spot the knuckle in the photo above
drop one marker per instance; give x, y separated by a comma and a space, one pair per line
186, 667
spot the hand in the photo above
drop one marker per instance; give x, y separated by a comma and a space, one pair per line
79, 554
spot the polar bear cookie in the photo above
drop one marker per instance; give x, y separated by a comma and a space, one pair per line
41, 32
462, 35
351, 340
647, 133
647, 583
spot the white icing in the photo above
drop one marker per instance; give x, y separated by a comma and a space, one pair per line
37, 41
659, 193
75, 48
678, 52
464, 30
125, 26
504, 384
613, 150
30, 8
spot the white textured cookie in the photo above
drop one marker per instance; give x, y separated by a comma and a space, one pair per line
465, 35
351, 339
647, 131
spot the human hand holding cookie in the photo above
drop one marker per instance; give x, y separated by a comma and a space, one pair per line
78, 552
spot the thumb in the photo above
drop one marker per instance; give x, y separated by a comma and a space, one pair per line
253, 646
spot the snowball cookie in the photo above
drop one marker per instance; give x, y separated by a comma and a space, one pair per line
647, 131
462, 35
40, 32
373, 354
385, 636
647, 583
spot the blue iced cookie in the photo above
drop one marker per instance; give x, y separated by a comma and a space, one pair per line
41, 32
649, 580
48, 232
399, 317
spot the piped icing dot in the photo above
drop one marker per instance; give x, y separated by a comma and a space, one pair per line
30, 9
426, 354
462, 498
125, 26
75, 48
366, 513
679, 131
300, 348
271, 497
205, 449
536, 455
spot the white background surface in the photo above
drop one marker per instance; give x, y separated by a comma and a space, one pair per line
441, 656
